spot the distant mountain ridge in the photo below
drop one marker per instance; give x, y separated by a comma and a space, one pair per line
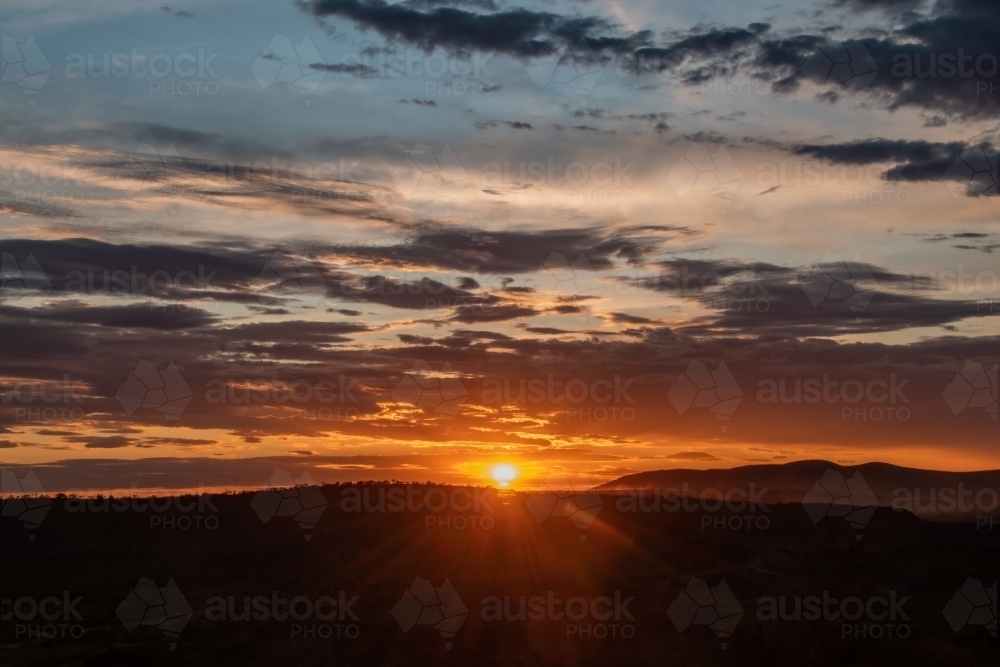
924, 492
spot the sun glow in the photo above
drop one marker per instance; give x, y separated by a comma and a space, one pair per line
504, 474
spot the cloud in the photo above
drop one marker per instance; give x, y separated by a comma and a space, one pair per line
514, 125
108, 442
354, 69
625, 318
913, 160
179, 13
516, 32
180, 442
135, 316
692, 456
898, 301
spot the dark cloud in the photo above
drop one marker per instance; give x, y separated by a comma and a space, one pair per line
149, 315
514, 125
38, 209
179, 13
625, 318
883, 5
179, 442
516, 32
492, 312
424, 4
108, 442
915, 160
353, 69
691, 456
768, 300
875, 151
516, 252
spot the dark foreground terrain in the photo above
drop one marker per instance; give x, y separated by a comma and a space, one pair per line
108, 584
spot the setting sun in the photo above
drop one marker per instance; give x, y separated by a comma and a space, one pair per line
504, 474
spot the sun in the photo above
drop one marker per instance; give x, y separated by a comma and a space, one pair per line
504, 474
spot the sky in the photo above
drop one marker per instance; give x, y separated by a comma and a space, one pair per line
416, 240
